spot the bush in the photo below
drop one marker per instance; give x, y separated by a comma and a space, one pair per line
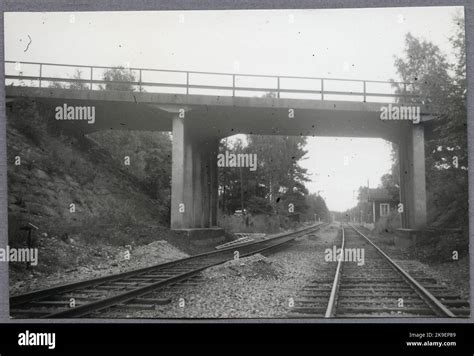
258, 205
388, 224
16, 236
26, 119
254, 223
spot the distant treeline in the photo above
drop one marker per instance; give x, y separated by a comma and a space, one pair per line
276, 186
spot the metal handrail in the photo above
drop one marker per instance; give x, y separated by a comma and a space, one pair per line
278, 89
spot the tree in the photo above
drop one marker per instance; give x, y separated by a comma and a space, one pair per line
316, 206
71, 85
118, 78
57, 85
424, 70
277, 182
78, 85
391, 185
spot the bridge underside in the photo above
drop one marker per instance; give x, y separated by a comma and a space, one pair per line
198, 123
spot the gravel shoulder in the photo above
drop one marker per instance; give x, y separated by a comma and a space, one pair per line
84, 261
454, 274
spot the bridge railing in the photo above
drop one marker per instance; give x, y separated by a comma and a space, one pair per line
205, 83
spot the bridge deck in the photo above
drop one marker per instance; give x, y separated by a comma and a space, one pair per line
216, 109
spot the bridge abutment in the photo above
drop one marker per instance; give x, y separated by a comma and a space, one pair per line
194, 178
412, 178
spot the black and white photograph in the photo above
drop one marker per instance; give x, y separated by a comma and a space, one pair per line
281, 164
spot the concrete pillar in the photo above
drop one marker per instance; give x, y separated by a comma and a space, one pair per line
177, 173
404, 179
209, 150
188, 179
419, 177
205, 183
198, 192
413, 178
194, 178
182, 176
213, 175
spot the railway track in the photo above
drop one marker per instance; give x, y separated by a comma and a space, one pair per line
130, 289
378, 287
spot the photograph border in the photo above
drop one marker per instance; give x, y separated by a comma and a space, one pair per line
176, 5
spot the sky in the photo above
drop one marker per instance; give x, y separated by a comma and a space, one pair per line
340, 43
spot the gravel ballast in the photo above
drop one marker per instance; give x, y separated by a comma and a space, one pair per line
252, 287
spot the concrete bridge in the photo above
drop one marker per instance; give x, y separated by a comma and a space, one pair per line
201, 108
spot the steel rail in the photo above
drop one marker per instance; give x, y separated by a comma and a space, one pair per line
438, 307
25, 297
129, 295
331, 308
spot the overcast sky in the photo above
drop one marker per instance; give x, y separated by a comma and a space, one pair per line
342, 43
